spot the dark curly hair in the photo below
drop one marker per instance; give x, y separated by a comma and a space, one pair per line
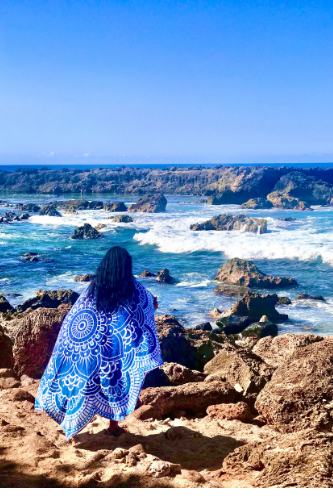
114, 282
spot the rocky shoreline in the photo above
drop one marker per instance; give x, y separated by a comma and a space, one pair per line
255, 187
233, 406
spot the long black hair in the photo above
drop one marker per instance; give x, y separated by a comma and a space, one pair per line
113, 283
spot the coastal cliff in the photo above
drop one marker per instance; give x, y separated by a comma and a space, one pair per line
239, 184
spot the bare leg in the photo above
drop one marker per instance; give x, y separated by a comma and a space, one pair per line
113, 425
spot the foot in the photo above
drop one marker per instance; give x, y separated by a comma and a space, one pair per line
118, 431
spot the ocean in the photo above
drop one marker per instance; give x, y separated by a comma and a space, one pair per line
302, 249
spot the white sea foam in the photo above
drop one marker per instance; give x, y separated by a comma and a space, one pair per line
304, 242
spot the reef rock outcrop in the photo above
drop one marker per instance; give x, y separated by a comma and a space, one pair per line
154, 203
245, 273
228, 222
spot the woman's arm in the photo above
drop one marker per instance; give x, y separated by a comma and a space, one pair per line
155, 303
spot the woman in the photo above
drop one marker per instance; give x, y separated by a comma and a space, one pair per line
106, 346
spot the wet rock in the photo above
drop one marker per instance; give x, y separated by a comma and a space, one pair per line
237, 411
147, 274
84, 278
207, 327
260, 330
116, 206
46, 298
299, 395
29, 207
30, 257
6, 350
240, 366
50, 210
100, 226
298, 460
303, 296
228, 222
86, 232
287, 219
71, 210
193, 397
24, 216
245, 273
35, 334
125, 219
153, 204
275, 351
257, 203
164, 276
4, 304
286, 202
233, 324
255, 306
283, 301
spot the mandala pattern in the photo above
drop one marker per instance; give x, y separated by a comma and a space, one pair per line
100, 361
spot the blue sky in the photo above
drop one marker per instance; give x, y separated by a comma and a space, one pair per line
165, 81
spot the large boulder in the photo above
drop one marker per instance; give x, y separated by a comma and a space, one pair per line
47, 298
232, 411
152, 203
116, 206
50, 210
4, 304
245, 273
298, 460
172, 374
228, 222
257, 203
29, 207
285, 201
86, 232
240, 367
6, 350
193, 397
164, 276
35, 334
255, 306
275, 351
300, 393
187, 347
125, 219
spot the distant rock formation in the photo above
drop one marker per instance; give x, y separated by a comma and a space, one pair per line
86, 232
254, 306
228, 222
245, 273
50, 210
257, 203
164, 276
125, 219
147, 274
153, 204
84, 278
284, 201
116, 206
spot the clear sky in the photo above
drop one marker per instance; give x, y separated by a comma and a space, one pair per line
149, 81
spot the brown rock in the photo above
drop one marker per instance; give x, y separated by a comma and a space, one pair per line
228, 222
245, 273
164, 276
255, 306
194, 397
4, 304
116, 206
6, 350
298, 460
215, 313
179, 375
275, 350
35, 334
147, 274
152, 203
84, 278
26, 381
9, 383
21, 395
300, 393
238, 411
240, 366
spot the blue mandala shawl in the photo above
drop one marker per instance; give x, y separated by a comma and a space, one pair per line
99, 361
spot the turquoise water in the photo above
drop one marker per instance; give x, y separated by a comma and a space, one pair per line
302, 249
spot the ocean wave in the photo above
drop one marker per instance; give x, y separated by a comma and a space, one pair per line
304, 242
